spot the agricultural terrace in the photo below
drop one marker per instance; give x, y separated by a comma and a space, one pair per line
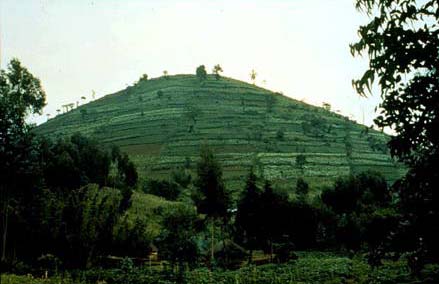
162, 122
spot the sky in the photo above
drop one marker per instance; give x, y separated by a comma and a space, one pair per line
297, 47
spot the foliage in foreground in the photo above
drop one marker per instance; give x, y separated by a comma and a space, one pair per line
311, 267
402, 41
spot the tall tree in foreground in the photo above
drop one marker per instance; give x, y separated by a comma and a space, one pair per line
211, 196
21, 94
177, 240
271, 220
402, 42
249, 212
302, 189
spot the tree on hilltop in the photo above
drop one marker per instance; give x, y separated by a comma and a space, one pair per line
144, 77
253, 75
201, 73
216, 70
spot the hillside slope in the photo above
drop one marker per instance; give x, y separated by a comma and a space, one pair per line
162, 122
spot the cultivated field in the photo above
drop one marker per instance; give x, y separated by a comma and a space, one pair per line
162, 122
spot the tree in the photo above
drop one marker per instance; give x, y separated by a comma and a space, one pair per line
253, 75
75, 211
314, 125
73, 162
403, 46
177, 240
359, 201
402, 43
21, 94
181, 177
166, 189
83, 112
126, 176
249, 213
270, 100
144, 77
273, 206
300, 161
302, 189
201, 73
159, 94
211, 196
280, 134
217, 70
98, 212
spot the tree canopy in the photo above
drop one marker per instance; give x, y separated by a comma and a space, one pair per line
402, 42
201, 73
21, 94
249, 213
212, 198
217, 69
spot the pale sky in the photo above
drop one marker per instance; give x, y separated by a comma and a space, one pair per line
299, 47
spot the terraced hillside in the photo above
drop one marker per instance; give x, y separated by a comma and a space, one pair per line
162, 122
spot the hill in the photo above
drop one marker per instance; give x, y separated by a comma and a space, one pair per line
162, 122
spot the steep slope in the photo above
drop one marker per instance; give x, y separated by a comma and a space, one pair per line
162, 122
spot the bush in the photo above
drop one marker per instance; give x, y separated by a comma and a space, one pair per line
280, 134
167, 189
181, 177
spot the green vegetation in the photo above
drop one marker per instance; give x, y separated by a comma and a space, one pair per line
201, 73
402, 43
217, 69
253, 75
75, 211
239, 121
311, 267
20, 94
211, 197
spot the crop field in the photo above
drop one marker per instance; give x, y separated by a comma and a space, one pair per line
161, 123
309, 268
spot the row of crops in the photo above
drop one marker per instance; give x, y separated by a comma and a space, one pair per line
162, 122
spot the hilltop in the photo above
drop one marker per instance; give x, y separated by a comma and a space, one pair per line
162, 122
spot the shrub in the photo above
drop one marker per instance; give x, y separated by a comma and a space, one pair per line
280, 134
167, 189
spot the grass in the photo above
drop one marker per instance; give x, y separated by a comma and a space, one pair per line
239, 121
147, 210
